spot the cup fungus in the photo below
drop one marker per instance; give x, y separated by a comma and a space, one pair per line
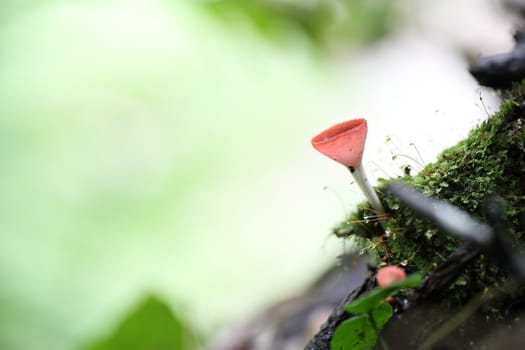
345, 143
389, 274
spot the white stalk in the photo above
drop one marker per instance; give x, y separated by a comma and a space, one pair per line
371, 195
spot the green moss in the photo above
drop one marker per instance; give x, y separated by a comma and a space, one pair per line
491, 160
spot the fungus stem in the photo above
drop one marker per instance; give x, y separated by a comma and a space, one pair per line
360, 177
345, 143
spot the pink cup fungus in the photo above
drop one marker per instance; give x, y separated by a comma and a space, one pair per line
345, 143
389, 274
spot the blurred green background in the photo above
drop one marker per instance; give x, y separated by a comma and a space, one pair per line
163, 147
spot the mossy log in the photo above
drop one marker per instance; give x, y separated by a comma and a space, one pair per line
467, 292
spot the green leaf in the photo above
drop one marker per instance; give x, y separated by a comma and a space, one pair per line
359, 333
152, 325
368, 302
381, 314
356, 333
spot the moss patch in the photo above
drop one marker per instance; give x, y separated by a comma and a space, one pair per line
491, 160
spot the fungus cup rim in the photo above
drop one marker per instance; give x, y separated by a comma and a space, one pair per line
343, 142
340, 130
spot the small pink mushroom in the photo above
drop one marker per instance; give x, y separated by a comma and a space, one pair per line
345, 143
389, 274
